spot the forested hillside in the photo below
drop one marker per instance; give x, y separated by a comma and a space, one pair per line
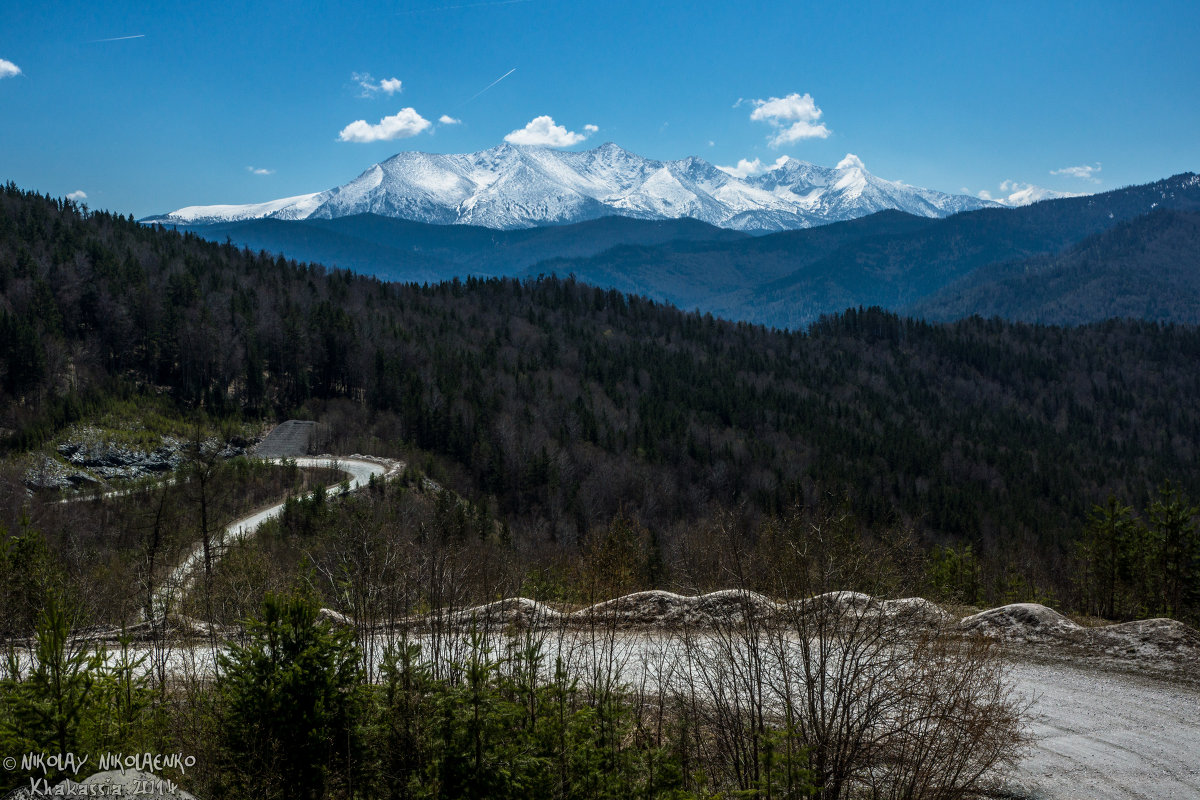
888, 259
402, 250
1146, 268
558, 404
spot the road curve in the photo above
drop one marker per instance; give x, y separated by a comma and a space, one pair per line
1096, 734
359, 470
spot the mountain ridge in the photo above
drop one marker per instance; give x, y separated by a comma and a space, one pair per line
510, 187
789, 279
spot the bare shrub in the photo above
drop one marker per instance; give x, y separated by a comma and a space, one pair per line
862, 697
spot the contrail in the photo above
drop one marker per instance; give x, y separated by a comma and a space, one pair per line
118, 38
490, 85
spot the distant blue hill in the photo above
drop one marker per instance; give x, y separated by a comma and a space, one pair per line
939, 267
401, 250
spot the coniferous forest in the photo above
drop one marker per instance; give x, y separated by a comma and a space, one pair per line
583, 444
556, 406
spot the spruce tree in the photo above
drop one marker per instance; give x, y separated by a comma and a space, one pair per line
292, 698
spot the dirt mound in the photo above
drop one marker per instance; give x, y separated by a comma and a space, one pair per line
1150, 644
1029, 622
659, 608
1155, 643
510, 611
916, 611
652, 608
1146, 639
666, 609
335, 618
839, 602
733, 605
176, 626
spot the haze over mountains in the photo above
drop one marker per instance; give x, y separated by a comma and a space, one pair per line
508, 186
974, 262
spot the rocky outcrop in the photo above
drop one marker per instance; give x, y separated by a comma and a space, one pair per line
47, 472
89, 458
288, 439
118, 462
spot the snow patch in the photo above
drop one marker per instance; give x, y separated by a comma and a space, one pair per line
234, 213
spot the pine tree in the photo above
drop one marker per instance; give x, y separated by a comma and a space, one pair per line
1108, 550
292, 697
1178, 537
56, 707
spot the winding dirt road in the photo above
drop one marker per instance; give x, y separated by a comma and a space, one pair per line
1097, 734
359, 471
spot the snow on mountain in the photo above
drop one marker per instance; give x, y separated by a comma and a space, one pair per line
1027, 194
296, 207
512, 186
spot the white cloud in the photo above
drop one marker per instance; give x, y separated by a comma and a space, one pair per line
1014, 193
746, 168
77, 195
404, 123
446, 119
793, 117
8, 69
369, 86
851, 161
542, 131
1087, 173
260, 171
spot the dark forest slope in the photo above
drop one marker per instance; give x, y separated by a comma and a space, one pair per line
1146, 268
564, 401
402, 250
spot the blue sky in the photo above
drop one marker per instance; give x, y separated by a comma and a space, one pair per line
211, 104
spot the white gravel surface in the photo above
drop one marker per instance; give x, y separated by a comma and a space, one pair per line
1120, 720
1100, 735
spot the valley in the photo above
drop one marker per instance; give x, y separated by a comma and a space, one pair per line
528, 400
518, 445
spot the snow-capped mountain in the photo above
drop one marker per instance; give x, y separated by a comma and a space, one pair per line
510, 186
